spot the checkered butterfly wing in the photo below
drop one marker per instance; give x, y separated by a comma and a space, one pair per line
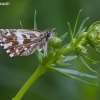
19, 42
22, 42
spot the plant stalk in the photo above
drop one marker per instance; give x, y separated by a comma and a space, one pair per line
40, 70
30, 81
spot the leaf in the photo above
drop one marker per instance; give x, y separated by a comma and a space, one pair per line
62, 63
76, 22
70, 31
21, 25
53, 65
97, 50
67, 72
35, 24
63, 47
63, 36
83, 81
93, 61
81, 27
74, 72
87, 64
68, 58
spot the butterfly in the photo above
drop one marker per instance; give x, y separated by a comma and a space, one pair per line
23, 42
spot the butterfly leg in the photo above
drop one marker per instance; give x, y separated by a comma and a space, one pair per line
45, 49
39, 51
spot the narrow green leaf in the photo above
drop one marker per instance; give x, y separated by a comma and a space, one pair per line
21, 25
67, 72
78, 39
58, 71
74, 72
68, 58
76, 22
70, 31
84, 81
63, 47
35, 24
62, 63
86, 64
53, 65
93, 61
97, 50
81, 27
63, 36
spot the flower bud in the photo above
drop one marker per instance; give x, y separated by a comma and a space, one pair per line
94, 36
56, 42
81, 49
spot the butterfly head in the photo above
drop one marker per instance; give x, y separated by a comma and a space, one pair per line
50, 34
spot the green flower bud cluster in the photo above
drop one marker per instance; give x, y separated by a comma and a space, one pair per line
79, 44
81, 49
94, 36
56, 42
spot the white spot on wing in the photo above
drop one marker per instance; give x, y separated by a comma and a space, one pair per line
25, 48
20, 41
4, 39
33, 39
32, 45
16, 50
7, 51
20, 38
8, 32
1, 44
28, 37
11, 55
7, 45
37, 33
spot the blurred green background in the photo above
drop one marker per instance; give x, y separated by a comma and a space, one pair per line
50, 14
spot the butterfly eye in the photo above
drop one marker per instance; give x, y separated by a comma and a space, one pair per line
41, 35
48, 35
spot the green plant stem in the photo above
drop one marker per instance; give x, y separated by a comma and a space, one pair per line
58, 54
40, 70
27, 85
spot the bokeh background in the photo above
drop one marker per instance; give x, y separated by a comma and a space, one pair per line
50, 14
